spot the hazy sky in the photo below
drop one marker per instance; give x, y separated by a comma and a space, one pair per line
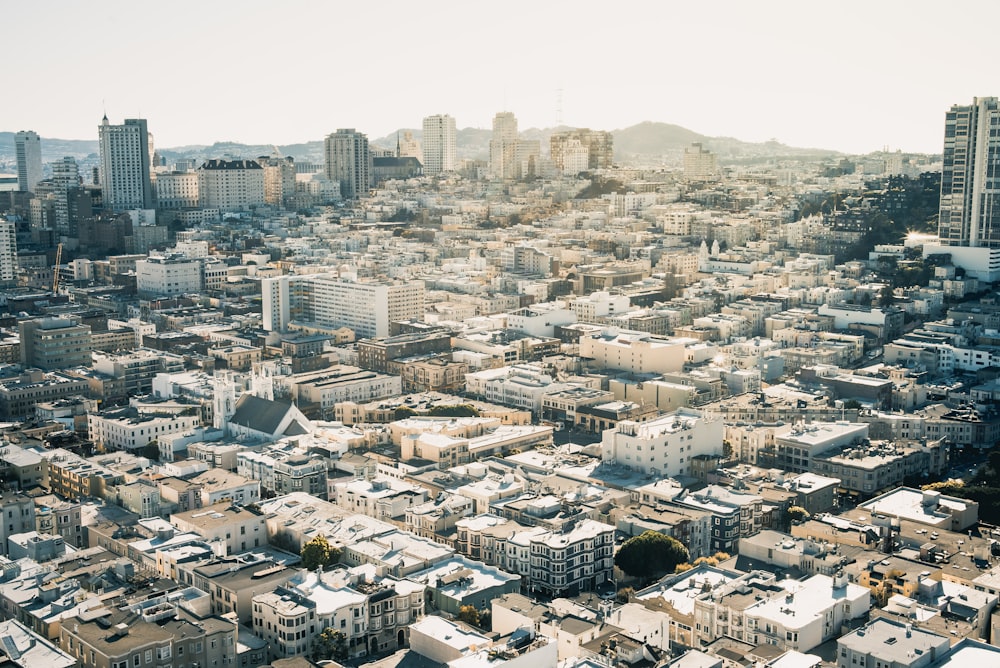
849, 75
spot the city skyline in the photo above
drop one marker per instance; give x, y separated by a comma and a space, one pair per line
856, 79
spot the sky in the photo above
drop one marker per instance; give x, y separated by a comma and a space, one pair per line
849, 75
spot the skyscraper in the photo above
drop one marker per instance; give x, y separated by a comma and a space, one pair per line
503, 146
28, 147
125, 165
440, 144
349, 161
970, 181
8, 252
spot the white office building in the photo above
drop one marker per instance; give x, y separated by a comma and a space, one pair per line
665, 446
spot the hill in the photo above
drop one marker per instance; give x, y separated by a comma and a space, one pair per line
645, 140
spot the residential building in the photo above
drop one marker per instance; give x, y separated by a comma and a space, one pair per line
439, 144
28, 153
279, 179
967, 215
699, 163
177, 190
890, 644
8, 252
503, 146
230, 184
125, 429
17, 516
125, 156
366, 307
236, 527
663, 446
349, 162
161, 631
575, 151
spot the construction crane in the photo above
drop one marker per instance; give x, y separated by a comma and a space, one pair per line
55, 270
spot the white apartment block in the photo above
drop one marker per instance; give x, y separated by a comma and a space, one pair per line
367, 307
230, 184
665, 446
130, 433
167, 276
439, 144
599, 306
8, 252
177, 190
638, 353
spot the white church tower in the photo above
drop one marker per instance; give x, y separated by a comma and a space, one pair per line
224, 399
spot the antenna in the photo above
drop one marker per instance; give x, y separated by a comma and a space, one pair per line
559, 106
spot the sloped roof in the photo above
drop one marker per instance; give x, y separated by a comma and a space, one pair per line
263, 415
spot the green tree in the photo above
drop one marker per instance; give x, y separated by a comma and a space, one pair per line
318, 552
151, 451
458, 410
650, 553
330, 644
624, 595
470, 615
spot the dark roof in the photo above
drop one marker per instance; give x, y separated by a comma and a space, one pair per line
263, 415
392, 161
216, 163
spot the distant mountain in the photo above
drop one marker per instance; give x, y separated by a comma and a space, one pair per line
645, 140
650, 138
52, 149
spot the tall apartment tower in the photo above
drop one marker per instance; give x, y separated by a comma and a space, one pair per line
970, 190
125, 156
349, 162
440, 144
28, 148
8, 252
503, 146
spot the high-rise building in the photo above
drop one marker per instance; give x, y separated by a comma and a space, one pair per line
349, 162
125, 157
8, 252
440, 144
503, 146
699, 163
580, 150
970, 187
279, 178
28, 147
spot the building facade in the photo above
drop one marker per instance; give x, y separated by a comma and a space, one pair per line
439, 144
28, 149
349, 162
125, 156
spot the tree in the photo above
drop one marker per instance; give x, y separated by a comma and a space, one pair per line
797, 514
318, 552
457, 410
624, 594
151, 450
650, 553
330, 644
469, 614
683, 568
